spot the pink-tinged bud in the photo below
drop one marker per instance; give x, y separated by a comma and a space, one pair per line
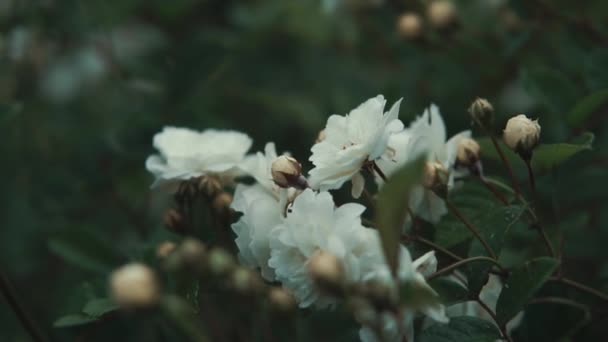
287, 172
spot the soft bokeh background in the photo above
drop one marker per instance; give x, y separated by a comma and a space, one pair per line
84, 85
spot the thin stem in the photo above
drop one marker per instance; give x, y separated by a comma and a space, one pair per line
531, 177
543, 234
507, 164
493, 190
580, 287
502, 328
472, 228
379, 171
437, 248
456, 265
11, 298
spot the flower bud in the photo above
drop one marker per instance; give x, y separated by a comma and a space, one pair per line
409, 26
327, 272
281, 299
442, 14
209, 185
468, 152
165, 249
221, 203
522, 135
287, 172
192, 251
482, 113
174, 221
220, 262
436, 178
245, 281
135, 286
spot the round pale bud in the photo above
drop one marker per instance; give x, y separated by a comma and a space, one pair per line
436, 178
221, 202
482, 112
522, 134
409, 26
209, 185
135, 286
220, 262
245, 281
281, 299
192, 251
165, 249
442, 14
327, 271
174, 221
468, 152
322, 135
287, 172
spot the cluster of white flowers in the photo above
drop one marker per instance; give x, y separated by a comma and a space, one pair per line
283, 227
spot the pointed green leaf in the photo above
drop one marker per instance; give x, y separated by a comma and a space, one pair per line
417, 295
587, 107
392, 208
521, 285
548, 156
99, 307
73, 320
450, 292
469, 329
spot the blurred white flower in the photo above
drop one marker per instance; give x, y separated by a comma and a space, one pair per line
425, 136
351, 141
312, 224
186, 153
394, 329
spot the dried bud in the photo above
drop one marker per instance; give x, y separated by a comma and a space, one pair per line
287, 172
281, 299
442, 14
165, 249
482, 113
321, 136
409, 26
209, 185
327, 272
468, 152
522, 135
220, 262
221, 202
174, 221
135, 286
245, 281
436, 178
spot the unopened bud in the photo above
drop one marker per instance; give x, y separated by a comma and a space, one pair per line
165, 249
436, 178
209, 185
174, 221
327, 272
281, 299
135, 286
482, 113
192, 251
221, 202
287, 172
321, 136
442, 14
522, 135
468, 152
220, 262
409, 26
245, 281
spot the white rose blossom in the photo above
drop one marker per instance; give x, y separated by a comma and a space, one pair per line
185, 153
425, 136
352, 140
314, 224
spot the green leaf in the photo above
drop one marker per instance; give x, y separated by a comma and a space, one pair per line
99, 307
587, 107
595, 72
450, 292
551, 87
493, 226
85, 250
548, 156
417, 295
469, 329
393, 201
521, 285
73, 320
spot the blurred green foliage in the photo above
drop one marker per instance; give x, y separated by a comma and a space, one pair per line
85, 84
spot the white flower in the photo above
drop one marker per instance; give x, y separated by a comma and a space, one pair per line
352, 140
314, 224
393, 329
261, 213
186, 153
425, 136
